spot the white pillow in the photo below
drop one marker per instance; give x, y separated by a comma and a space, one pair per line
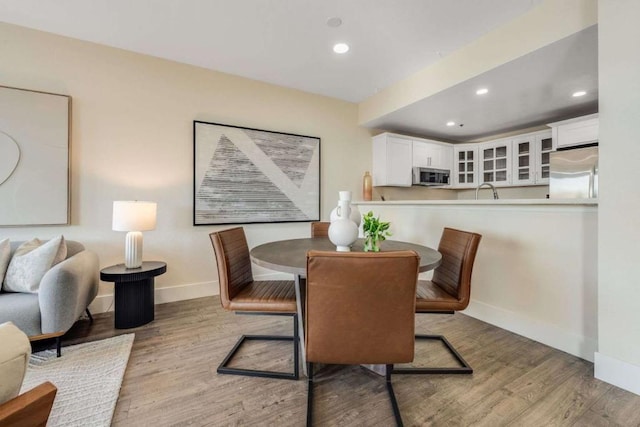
30, 263
5, 256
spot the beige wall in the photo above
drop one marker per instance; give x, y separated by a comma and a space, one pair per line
618, 358
132, 139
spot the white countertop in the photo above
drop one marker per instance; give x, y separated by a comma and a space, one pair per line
491, 202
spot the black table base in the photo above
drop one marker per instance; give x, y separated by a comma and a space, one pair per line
134, 292
134, 304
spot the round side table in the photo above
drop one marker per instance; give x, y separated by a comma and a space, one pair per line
134, 300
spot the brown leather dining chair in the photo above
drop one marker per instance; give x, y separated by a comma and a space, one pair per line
243, 295
360, 309
448, 291
320, 229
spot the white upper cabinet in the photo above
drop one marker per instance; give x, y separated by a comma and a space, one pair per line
432, 154
465, 166
495, 162
394, 156
392, 160
531, 158
577, 131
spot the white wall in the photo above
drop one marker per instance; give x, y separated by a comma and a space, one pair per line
536, 268
618, 358
131, 138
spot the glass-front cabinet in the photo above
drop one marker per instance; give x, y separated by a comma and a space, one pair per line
545, 145
495, 162
531, 158
465, 170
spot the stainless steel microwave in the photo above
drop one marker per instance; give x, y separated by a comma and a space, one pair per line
430, 176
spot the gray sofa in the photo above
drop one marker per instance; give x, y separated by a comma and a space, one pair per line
66, 290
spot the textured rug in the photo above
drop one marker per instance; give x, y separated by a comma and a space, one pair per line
88, 377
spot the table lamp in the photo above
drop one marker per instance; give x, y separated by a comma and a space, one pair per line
134, 217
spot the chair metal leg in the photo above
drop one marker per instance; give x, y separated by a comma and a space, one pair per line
224, 369
58, 346
309, 394
89, 315
465, 368
392, 396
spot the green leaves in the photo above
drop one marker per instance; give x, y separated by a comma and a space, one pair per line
375, 231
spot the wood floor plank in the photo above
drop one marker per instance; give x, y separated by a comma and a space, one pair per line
171, 378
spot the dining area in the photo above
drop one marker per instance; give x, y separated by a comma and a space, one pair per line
347, 308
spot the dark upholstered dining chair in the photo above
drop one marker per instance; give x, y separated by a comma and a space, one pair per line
243, 295
320, 229
360, 308
448, 291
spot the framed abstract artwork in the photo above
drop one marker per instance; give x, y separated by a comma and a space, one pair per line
34, 157
244, 175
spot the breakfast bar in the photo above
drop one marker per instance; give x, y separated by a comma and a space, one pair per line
536, 269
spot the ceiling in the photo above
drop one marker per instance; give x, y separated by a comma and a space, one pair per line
288, 43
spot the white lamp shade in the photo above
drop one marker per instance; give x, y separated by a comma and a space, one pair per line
134, 216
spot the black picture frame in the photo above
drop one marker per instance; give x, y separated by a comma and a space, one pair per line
243, 175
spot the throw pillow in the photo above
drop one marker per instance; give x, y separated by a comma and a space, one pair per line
5, 256
30, 263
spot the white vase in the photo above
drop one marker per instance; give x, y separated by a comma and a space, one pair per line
355, 215
343, 232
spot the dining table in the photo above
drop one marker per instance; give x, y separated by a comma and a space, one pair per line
290, 256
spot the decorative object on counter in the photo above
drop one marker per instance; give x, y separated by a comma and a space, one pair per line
375, 231
343, 231
367, 187
133, 217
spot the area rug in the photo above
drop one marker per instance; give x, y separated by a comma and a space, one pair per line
88, 377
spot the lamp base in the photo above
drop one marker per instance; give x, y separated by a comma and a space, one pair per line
133, 250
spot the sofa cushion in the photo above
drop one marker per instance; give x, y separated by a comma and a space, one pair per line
5, 256
23, 310
30, 263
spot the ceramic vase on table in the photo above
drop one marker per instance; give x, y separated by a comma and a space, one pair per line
343, 232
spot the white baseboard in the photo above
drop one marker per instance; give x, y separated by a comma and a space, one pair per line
551, 335
616, 372
104, 303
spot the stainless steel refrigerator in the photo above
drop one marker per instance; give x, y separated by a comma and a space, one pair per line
574, 174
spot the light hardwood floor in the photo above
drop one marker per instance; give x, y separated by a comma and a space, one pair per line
171, 378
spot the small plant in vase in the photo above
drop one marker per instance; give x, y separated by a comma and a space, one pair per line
375, 231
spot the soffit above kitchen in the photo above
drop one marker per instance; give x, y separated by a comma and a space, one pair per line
527, 92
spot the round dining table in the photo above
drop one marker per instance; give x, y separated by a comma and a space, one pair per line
290, 256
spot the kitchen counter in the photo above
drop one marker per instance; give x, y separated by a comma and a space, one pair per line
491, 202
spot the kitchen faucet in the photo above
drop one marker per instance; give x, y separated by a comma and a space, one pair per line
495, 192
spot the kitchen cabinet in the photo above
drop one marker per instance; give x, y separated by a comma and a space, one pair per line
531, 158
392, 160
432, 154
495, 162
576, 131
465, 166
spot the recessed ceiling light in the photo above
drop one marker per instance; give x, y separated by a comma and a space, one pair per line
579, 93
482, 91
340, 48
334, 22
451, 123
